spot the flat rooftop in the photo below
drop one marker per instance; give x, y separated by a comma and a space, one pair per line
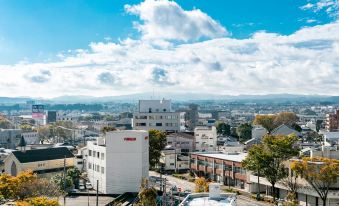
235, 157
202, 199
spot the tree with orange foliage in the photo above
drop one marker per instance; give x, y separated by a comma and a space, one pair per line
201, 185
320, 173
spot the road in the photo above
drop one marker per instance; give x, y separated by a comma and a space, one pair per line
185, 185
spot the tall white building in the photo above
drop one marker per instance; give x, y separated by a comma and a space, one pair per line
205, 138
119, 161
157, 114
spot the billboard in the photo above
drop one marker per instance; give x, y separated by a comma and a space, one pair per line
38, 111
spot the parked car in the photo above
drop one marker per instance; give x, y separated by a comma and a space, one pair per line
82, 187
89, 185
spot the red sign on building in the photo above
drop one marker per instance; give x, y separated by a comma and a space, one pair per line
130, 139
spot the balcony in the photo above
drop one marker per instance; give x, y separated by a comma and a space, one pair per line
202, 168
218, 171
209, 170
193, 166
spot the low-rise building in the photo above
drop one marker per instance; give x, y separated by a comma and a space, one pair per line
44, 162
220, 167
205, 138
118, 161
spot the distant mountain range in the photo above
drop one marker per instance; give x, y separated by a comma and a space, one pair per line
174, 97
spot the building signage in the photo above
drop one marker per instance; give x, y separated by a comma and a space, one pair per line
38, 111
130, 139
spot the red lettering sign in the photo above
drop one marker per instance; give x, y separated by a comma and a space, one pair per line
130, 139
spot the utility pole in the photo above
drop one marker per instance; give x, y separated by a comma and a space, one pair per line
97, 200
65, 180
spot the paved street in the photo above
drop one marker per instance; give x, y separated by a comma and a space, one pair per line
185, 185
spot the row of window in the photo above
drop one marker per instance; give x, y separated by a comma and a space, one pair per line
178, 143
96, 168
96, 154
156, 117
156, 124
219, 166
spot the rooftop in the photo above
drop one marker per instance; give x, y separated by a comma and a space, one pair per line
235, 157
38, 155
203, 199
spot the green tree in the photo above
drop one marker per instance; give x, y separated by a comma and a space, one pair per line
74, 173
256, 161
59, 180
244, 132
223, 129
270, 156
157, 142
320, 173
44, 132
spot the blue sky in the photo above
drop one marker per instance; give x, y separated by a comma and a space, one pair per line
37, 30
104, 47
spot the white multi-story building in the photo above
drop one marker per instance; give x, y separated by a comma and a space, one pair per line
119, 161
205, 138
157, 114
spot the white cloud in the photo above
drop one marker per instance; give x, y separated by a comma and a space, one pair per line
303, 62
166, 20
331, 7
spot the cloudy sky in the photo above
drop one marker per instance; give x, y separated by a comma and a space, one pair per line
108, 47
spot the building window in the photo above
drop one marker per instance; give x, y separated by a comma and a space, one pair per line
140, 124
102, 170
102, 156
172, 164
89, 152
98, 154
94, 153
158, 124
89, 165
98, 168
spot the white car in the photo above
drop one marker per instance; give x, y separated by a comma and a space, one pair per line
89, 185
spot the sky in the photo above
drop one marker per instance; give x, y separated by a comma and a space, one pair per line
109, 48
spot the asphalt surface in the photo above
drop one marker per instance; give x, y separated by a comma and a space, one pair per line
185, 185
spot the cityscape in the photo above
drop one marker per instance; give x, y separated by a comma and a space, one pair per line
169, 103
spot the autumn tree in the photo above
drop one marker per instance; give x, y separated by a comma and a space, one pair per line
44, 132
223, 129
106, 129
266, 121
201, 185
26, 128
287, 118
38, 201
4, 123
157, 142
271, 121
320, 173
147, 195
244, 132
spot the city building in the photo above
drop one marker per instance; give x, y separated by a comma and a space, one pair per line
183, 142
332, 122
173, 160
158, 114
118, 161
31, 137
220, 167
9, 138
51, 117
44, 162
205, 138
